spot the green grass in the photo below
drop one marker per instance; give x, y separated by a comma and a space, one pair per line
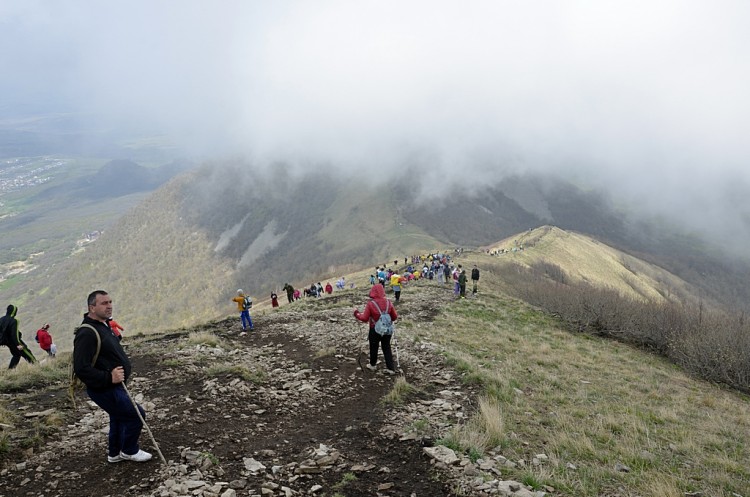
29, 376
592, 403
399, 393
252, 375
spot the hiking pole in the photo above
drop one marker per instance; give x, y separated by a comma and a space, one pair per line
138, 411
395, 346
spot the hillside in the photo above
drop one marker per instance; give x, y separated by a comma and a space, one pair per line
178, 257
495, 399
584, 259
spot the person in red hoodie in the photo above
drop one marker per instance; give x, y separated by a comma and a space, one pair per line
371, 314
44, 339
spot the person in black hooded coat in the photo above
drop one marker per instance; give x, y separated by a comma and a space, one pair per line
9, 330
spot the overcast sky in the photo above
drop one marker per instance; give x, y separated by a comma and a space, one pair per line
650, 97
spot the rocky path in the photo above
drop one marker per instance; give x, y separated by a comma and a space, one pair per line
285, 410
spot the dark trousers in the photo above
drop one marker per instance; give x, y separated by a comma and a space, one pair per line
18, 354
385, 342
124, 424
290, 297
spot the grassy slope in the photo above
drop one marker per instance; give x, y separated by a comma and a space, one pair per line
594, 403
585, 259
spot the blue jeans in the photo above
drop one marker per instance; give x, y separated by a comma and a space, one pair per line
245, 317
124, 424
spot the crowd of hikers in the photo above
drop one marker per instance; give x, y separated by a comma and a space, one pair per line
437, 267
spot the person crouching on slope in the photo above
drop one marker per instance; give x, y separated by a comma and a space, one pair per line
371, 314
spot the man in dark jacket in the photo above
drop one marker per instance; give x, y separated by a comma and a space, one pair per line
474, 279
12, 335
289, 289
104, 375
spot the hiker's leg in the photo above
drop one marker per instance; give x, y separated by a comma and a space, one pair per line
249, 321
14, 361
26, 354
374, 340
126, 419
387, 353
16, 357
107, 401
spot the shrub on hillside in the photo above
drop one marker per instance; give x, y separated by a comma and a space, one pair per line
713, 344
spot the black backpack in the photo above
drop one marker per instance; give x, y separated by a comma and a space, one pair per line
6, 323
247, 303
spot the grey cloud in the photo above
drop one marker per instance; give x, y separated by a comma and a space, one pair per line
648, 99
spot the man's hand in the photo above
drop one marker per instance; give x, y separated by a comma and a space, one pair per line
19, 347
118, 375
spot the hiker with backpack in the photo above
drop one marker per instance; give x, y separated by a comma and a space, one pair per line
244, 303
396, 281
10, 336
101, 363
380, 314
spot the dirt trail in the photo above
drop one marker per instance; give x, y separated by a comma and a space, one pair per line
291, 396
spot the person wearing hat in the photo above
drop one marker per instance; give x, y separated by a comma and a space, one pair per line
44, 339
244, 303
12, 338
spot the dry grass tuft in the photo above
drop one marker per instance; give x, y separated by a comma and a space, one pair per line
399, 393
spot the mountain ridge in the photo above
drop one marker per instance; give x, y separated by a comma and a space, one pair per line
166, 266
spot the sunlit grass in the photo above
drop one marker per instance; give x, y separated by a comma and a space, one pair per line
399, 393
41, 374
204, 338
590, 403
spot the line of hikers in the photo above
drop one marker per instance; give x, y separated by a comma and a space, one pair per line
10, 336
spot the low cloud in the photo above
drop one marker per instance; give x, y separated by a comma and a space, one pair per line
646, 99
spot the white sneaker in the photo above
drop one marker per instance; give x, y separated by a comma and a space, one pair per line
371, 367
389, 371
140, 456
113, 459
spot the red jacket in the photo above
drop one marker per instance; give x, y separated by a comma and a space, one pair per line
371, 313
44, 339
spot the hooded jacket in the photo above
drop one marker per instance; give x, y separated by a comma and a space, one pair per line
9, 327
371, 312
111, 355
44, 339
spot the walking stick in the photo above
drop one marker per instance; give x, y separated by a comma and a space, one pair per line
395, 346
138, 411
